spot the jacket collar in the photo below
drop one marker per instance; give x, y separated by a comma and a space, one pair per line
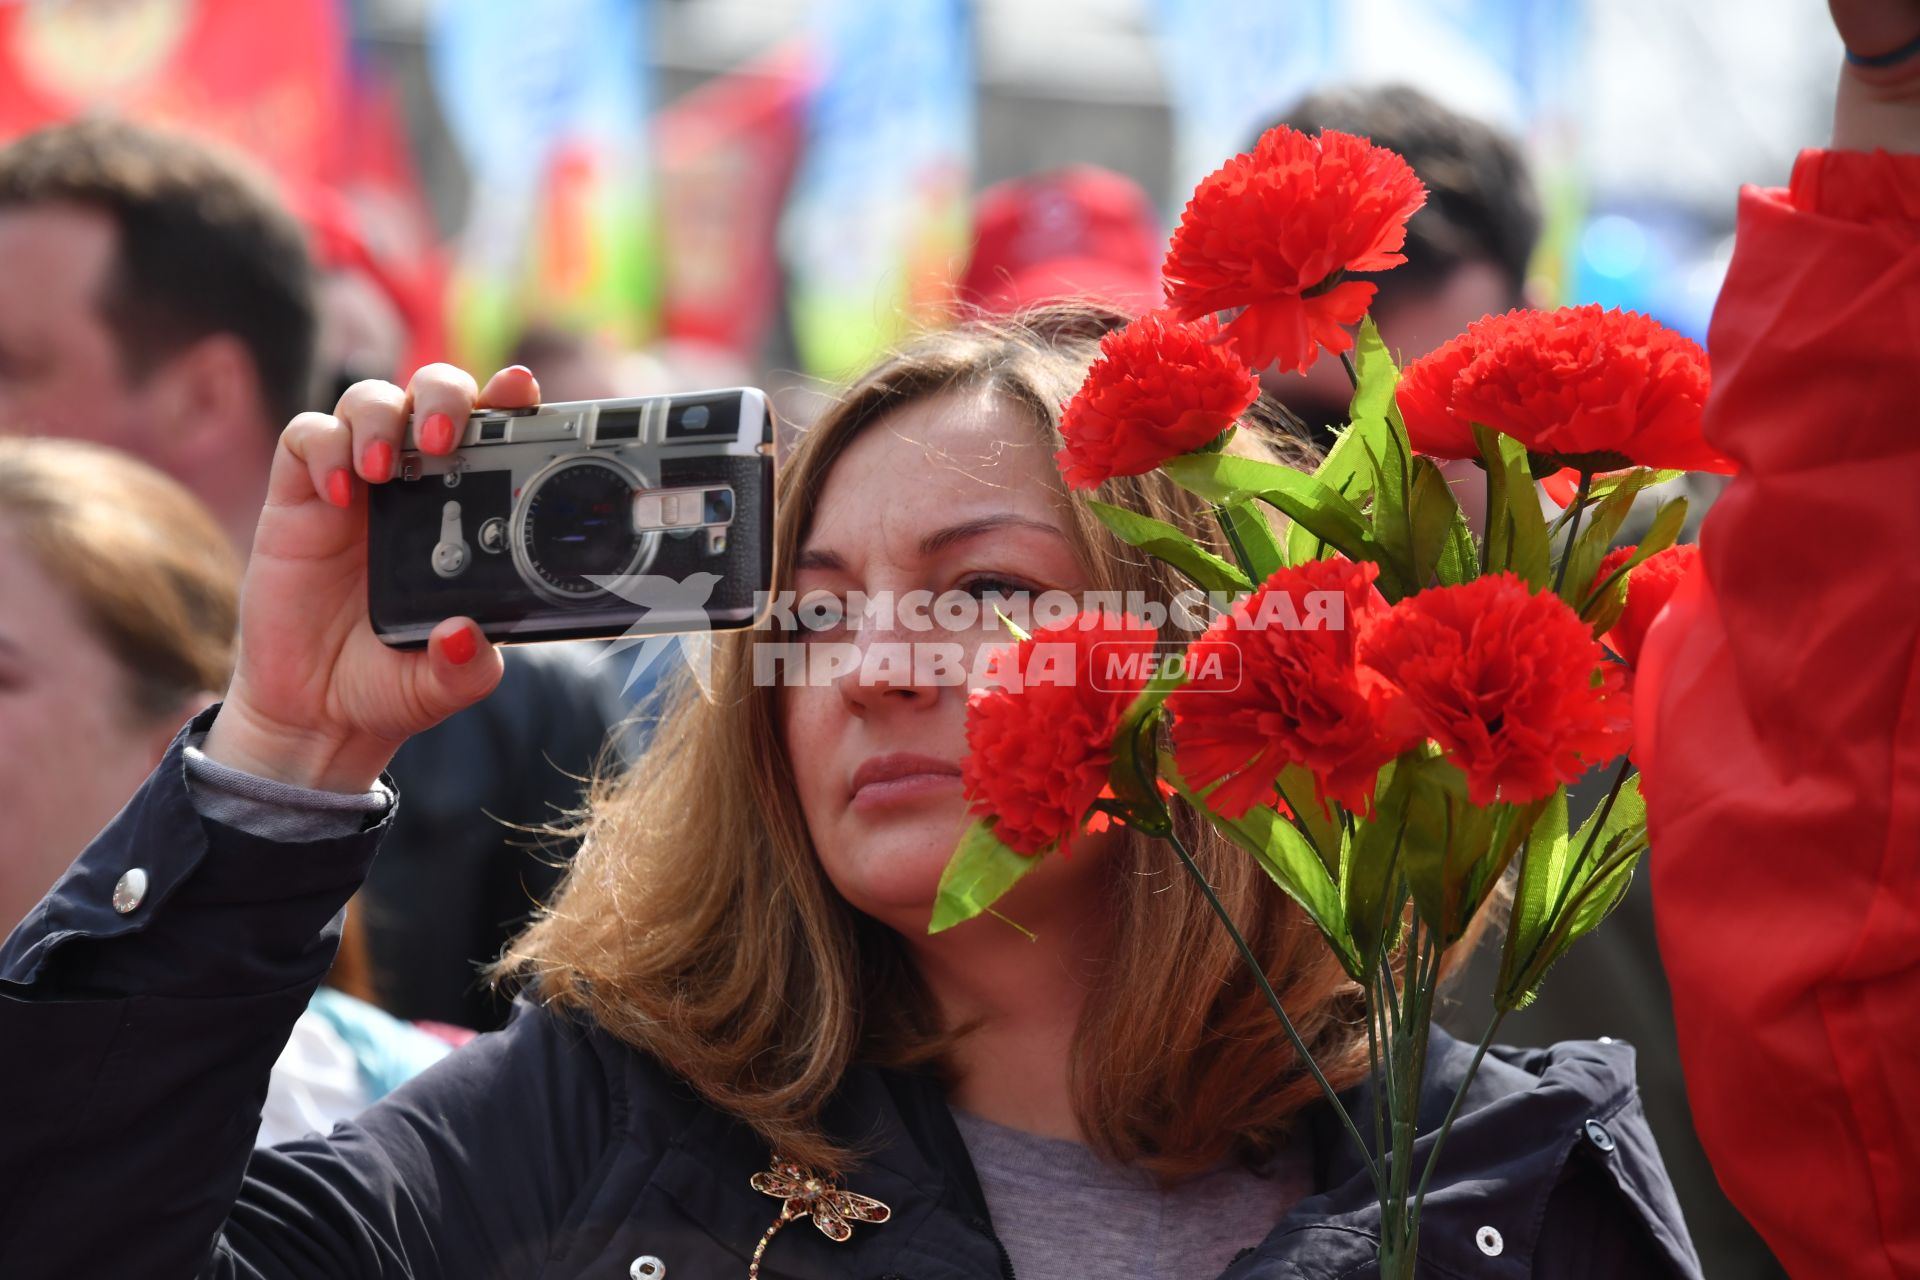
1526, 1114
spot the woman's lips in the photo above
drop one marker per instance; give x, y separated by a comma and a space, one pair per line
901, 777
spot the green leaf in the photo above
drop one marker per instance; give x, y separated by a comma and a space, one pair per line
1225, 480
1661, 534
1159, 539
979, 873
1567, 887
1289, 860
1543, 871
1370, 877
1375, 377
1322, 825
1441, 550
1014, 629
1345, 471
1604, 487
1454, 851
1390, 453
1247, 523
1602, 893
1516, 528
1596, 538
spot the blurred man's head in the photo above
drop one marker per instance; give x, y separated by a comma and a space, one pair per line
154, 297
1467, 249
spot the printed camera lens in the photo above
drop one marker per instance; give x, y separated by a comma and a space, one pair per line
578, 524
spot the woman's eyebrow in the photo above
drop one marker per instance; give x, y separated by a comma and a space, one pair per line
941, 539
814, 558
937, 541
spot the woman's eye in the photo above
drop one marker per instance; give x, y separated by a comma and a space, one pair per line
986, 584
820, 615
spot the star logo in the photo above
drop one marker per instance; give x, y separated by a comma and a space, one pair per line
681, 606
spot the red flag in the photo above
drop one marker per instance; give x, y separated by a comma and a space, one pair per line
266, 78
727, 153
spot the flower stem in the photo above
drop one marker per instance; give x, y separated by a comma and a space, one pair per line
1446, 1125
1573, 529
1346, 362
1233, 540
1260, 976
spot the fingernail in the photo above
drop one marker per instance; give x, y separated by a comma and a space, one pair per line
518, 368
377, 462
460, 647
340, 487
436, 433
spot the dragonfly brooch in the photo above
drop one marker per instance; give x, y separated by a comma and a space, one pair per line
806, 1194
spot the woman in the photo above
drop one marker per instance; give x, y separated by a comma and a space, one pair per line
119, 596
738, 965
118, 599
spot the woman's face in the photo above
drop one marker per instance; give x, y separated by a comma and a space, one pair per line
70, 755
956, 493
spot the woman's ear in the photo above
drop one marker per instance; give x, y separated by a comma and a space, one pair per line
161, 736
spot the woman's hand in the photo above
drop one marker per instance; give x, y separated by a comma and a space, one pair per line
1877, 106
317, 700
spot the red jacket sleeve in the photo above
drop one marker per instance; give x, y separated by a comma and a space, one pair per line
1780, 730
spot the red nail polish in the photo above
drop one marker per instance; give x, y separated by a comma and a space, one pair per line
436, 433
377, 462
340, 487
460, 647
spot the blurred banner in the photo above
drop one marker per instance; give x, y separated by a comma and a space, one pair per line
549, 106
1231, 68
727, 153
373, 219
878, 223
1513, 63
266, 78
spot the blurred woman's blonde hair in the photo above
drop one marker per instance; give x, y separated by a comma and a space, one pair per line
697, 925
154, 577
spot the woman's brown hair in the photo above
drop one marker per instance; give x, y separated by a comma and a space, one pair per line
696, 923
153, 575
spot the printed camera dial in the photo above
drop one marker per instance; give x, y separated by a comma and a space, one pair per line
575, 523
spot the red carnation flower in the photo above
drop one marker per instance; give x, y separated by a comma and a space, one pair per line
1510, 683
1040, 745
1274, 682
1274, 231
1576, 382
1650, 584
1160, 388
1425, 397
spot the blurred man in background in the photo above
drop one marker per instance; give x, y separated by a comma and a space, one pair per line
156, 297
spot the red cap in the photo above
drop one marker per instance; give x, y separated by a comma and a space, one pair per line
1078, 232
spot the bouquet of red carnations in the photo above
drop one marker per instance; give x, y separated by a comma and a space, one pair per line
1388, 709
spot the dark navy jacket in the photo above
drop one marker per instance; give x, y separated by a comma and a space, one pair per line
135, 1049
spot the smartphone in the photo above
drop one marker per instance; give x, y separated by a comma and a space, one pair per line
588, 519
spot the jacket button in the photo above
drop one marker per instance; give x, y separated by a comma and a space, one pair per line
647, 1267
1489, 1241
130, 890
1597, 1134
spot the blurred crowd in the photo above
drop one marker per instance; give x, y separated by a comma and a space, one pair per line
163, 313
